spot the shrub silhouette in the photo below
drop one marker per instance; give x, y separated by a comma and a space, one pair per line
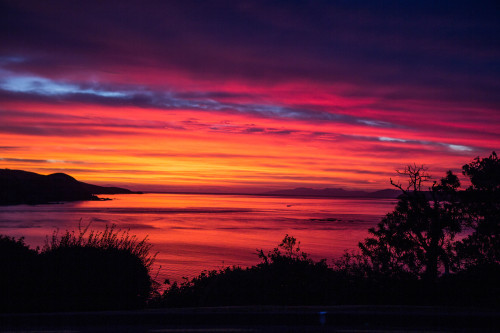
96, 270
285, 276
84, 270
18, 264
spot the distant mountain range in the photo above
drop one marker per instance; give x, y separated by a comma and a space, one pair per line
335, 192
23, 187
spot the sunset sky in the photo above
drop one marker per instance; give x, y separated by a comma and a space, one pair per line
247, 96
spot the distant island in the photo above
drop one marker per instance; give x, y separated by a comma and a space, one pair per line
335, 192
23, 187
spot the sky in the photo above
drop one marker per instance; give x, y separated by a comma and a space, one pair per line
247, 96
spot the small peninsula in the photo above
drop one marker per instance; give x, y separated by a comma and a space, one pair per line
23, 187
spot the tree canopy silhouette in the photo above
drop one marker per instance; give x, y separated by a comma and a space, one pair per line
482, 208
419, 236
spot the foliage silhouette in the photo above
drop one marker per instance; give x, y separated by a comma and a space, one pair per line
286, 275
97, 270
18, 264
482, 208
417, 237
84, 270
416, 242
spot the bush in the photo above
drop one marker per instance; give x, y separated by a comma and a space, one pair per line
84, 270
96, 270
285, 276
18, 267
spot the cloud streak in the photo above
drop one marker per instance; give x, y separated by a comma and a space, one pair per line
31, 87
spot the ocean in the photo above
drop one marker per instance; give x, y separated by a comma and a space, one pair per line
196, 232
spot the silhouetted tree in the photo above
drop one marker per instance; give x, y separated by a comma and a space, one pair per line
482, 207
417, 237
292, 252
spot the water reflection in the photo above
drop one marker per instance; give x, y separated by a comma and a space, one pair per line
196, 232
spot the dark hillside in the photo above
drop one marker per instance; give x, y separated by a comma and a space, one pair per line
23, 187
95, 189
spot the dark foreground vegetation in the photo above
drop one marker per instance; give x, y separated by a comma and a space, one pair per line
87, 270
440, 246
284, 279
412, 257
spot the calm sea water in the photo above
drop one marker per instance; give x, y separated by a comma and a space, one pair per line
195, 232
